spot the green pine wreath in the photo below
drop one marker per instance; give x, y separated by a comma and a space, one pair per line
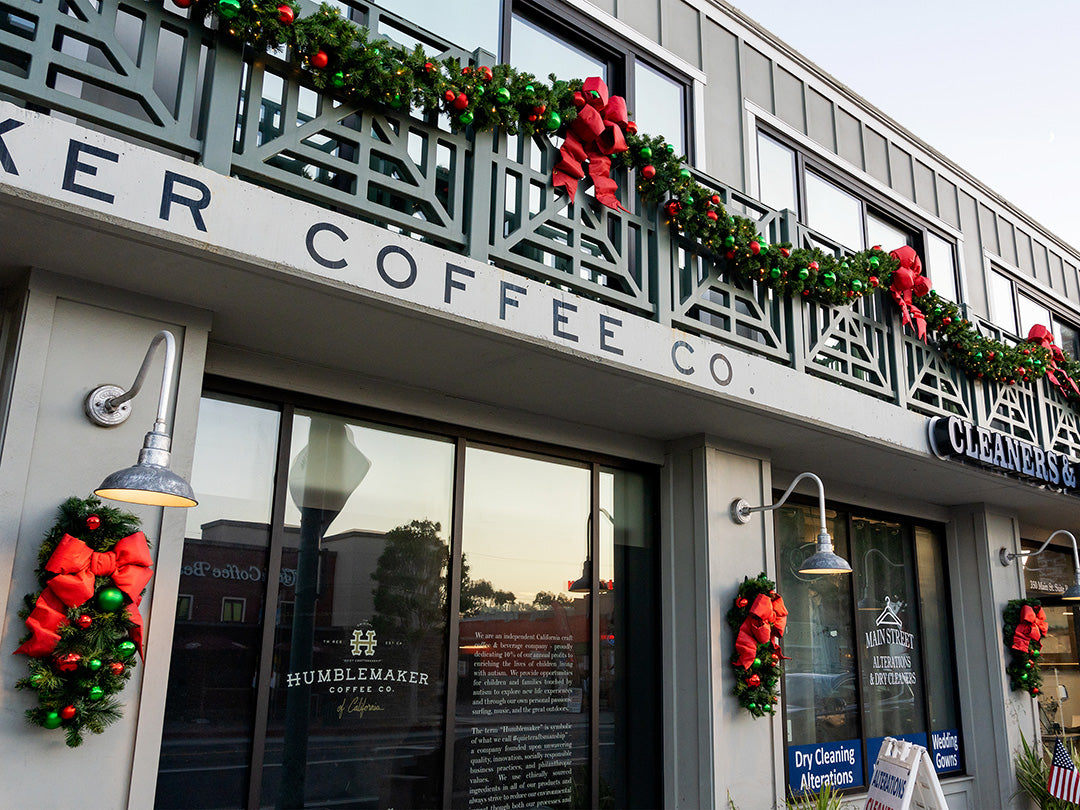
1023, 667
77, 682
756, 687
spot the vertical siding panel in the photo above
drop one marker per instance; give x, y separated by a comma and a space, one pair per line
789, 99
971, 225
925, 188
819, 120
849, 143
1024, 259
681, 32
644, 17
948, 207
1007, 235
877, 155
1042, 267
988, 230
756, 71
901, 172
723, 111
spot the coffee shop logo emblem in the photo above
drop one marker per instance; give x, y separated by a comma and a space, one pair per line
363, 643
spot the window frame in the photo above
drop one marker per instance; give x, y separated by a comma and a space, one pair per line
621, 55
848, 513
232, 602
1018, 290
287, 403
871, 203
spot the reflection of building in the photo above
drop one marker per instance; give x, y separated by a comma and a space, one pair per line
430, 286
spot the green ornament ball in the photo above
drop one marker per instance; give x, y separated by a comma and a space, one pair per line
670, 149
751, 706
502, 95
874, 261
1024, 676
110, 599
1035, 652
227, 9
757, 662
646, 152
125, 649
774, 273
829, 279
729, 241
804, 273
466, 117
36, 681
96, 693
844, 265
338, 80
52, 720
684, 174
554, 120
94, 664
530, 89
856, 285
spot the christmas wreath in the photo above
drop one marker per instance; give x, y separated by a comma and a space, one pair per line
758, 618
84, 624
1025, 625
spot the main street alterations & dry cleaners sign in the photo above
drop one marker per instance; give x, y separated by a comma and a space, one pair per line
956, 438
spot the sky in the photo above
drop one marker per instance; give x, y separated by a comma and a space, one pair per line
994, 86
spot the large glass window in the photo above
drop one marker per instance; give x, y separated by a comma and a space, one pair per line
941, 267
660, 108
403, 663
833, 212
871, 653
535, 50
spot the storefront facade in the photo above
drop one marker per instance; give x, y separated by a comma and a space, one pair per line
465, 454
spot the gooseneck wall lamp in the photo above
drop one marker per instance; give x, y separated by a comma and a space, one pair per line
583, 584
824, 560
149, 481
1073, 593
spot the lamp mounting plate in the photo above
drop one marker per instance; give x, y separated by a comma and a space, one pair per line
1006, 556
97, 407
740, 511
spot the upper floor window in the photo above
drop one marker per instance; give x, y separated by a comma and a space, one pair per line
1016, 311
845, 217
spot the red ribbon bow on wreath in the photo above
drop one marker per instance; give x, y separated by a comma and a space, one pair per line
908, 281
767, 620
1042, 336
76, 565
597, 132
1032, 627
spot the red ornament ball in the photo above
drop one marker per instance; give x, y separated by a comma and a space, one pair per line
713, 216
785, 252
755, 248
449, 95
648, 172
183, 3
461, 102
631, 127
68, 662
116, 668
774, 659
93, 522
84, 621
67, 712
814, 265
486, 73
715, 199
730, 254
754, 680
285, 14
741, 602
319, 59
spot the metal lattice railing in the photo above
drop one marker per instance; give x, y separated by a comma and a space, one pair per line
144, 71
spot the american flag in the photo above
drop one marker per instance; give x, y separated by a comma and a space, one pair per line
1064, 778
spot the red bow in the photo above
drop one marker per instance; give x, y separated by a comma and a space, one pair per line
908, 280
76, 565
767, 620
1042, 336
1032, 627
597, 132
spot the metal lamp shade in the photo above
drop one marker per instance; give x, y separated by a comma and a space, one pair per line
584, 583
150, 481
1072, 594
824, 560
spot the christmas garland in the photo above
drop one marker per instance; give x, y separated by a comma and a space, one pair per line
1024, 626
337, 57
93, 563
758, 618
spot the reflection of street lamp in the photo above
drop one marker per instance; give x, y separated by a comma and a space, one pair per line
323, 477
584, 583
864, 602
1073, 593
